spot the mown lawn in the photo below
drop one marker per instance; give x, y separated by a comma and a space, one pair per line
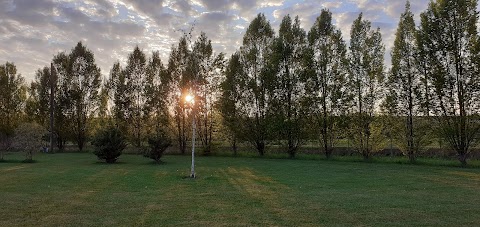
76, 190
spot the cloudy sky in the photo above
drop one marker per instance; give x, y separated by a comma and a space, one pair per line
33, 31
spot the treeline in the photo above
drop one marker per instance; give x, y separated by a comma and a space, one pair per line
289, 87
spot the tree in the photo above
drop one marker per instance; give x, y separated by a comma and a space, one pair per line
229, 100
62, 101
77, 94
83, 90
326, 81
28, 138
135, 80
157, 144
286, 64
180, 82
109, 143
402, 80
118, 92
257, 94
405, 85
366, 77
38, 103
156, 94
12, 103
207, 67
452, 49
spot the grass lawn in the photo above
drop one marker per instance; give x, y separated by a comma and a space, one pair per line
76, 190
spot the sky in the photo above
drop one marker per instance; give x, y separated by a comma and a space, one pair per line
33, 31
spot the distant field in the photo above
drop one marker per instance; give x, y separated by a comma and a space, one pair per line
76, 190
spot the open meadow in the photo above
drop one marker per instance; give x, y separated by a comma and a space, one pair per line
77, 190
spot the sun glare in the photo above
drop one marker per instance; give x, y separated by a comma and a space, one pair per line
189, 98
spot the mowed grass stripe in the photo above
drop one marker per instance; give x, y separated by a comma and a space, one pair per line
76, 190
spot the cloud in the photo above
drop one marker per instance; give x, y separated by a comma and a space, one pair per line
33, 31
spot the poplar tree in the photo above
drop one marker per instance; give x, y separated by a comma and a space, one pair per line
156, 92
135, 73
180, 80
406, 87
287, 64
366, 77
208, 67
83, 84
450, 38
228, 104
257, 94
62, 102
12, 101
326, 80
38, 103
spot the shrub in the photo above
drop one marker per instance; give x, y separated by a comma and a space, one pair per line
109, 144
157, 145
28, 138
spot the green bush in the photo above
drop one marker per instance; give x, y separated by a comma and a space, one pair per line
109, 144
157, 145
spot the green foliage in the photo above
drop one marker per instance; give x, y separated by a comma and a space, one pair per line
365, 77
135, 79
405, 87
157, 144
13, 95
286, 66
76, 82
109, 143
28, 138
258, 81
180, 75
368, 137
450, 46
326, 87
38, 103
228, 100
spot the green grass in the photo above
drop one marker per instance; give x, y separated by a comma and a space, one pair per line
76, 190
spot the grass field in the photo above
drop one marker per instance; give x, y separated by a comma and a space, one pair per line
76, 190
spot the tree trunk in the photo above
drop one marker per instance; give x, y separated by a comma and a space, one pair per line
463, 159
234, 145
81, 143
261, 147
411, 157
291, 148
328, 153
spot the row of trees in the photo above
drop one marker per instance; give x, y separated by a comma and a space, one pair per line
288, 87
295, 80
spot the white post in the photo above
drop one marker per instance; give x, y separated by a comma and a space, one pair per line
192, 174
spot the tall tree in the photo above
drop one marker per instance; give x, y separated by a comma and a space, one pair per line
454, 54
135, 73
405, 85
180, 83
208, 67
62, 101
156, 92
326, 80
76, 96
12, 101
119, 94
257, 94
286, 60
83, 90
366, 76
38, 103
231, 89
